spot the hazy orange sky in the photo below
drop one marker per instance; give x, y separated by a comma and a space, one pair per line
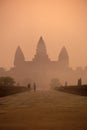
60, 22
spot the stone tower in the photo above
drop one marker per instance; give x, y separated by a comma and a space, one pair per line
41, 52
19, 57
63, 58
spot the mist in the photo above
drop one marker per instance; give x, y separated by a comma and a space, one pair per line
61, 23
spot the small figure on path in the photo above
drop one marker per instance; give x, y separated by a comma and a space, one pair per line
34, 87
29, 86
66, 84
79, 82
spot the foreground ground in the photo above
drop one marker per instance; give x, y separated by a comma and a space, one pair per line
43, 110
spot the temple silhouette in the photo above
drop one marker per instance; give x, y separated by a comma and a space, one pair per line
41, 69
41, 58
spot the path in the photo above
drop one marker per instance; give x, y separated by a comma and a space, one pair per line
43, 110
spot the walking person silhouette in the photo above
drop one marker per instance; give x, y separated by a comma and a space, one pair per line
34, 87
29, 86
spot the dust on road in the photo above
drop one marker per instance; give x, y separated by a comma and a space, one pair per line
43, 110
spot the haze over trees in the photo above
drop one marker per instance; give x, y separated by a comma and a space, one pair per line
55, 83
6, 81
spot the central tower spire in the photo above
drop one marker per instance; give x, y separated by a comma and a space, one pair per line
41, 48
41, 52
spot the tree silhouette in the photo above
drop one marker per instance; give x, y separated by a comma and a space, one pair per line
6, 81
55, 83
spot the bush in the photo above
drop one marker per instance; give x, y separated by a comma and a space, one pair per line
55, 83
6, 81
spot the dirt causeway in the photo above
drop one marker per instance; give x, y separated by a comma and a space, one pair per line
43, 110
